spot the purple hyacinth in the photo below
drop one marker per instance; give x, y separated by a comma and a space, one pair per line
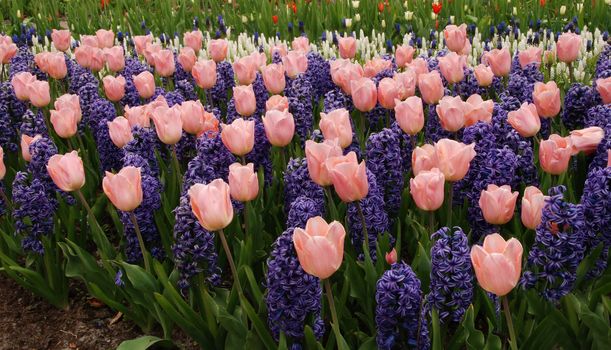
261, 94
224, 83
577, 100
399, 317
8, 135
299, 93
186, 89
596, 204
522, 81
297, 183
33, 124
433, 130
406, 147
21, 62
293, 297
212, 152
376, 218
144, 144
384, 161
558, 248
302, 209
336, 99
319, 74
451, 289
194, 250
145, 213
33, 211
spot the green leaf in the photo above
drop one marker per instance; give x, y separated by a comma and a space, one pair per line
475, 338
259, 326
146, 342
139, 278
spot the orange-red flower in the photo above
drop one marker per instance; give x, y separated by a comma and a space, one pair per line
437, 8
103, 3
381, 7
275, 19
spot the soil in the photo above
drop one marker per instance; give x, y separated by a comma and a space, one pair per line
28, 322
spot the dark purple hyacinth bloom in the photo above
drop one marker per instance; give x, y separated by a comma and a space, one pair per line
33, 124
297, 183
21, 62
398, 312
376, 217
224, 83
577, 100
451, 289
432, 130
319, 75
194, 250
299, 92
302, 209
145, 213
336, 99
293, 297
522, 81
596, 204
384, 161
33, 211
8, 118
558, 247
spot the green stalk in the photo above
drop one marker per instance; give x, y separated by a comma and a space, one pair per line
364, 223
134, 220
234, 271
512, 333
334, 318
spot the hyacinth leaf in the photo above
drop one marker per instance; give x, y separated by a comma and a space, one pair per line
422, 267
369, 344
587, 264
598, 327
436, 330
258, 324
197, 333
310, 340
140, 279
146, 342
475, 338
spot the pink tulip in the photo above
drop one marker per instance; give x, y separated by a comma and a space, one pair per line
345, 74
410, 115
150, 107
424, 158
452, 67
466, 50
407, 83
114, 87
419, 66
187, 58
164, 63
245, 101
567, 47
217, 49
404, 55
316, 157
547, 99
498, 204
273, 78
280, 49
532, 207
211, 204
320, 247
530, 55
210, 126
431, 87
454, 158
145, 84
301, 43
609, 158
245, 70
349, 177
149, 52
140, 41
391, 257
193, 117
586, 140
497, 264
483, 75
168, 124
67, 171
259, 59
89, 40
124, 189
120, 131
336, 125
193, 40
427, 189
555, 153
476, 109
83, 55
603, 86
375, 66
97, 60
388, 91
2, 166
243, 182
20, 82
364, 94
61, 39
71, 102
347, 47
525, 120
65, 122
137, 116
106, 38
499, 61
41, 60
115, 58
38, 92
204, 73
239, 136
455, 36
26, 141
451, 113
277, 102
295, 63
279, 127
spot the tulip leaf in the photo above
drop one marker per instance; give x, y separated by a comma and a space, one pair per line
145, 342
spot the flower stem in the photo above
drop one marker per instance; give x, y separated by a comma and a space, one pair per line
364, 223
512, 333
335, 324
176, 165
234, 271
6, 201
134, 220
450, 203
